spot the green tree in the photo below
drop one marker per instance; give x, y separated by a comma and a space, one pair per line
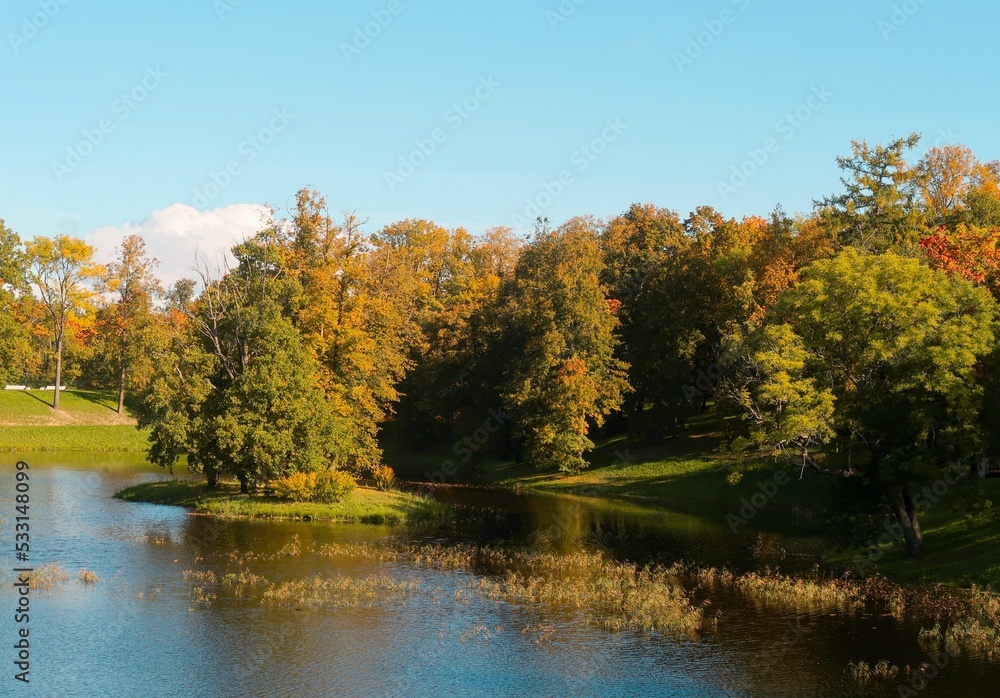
60, 268
15, 341
878, 211
238, 392
563, 374
868, 369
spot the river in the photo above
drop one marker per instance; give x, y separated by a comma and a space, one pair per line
145, 630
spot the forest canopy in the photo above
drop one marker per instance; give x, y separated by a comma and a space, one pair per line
855, 342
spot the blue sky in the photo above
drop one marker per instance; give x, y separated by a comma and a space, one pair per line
550, 76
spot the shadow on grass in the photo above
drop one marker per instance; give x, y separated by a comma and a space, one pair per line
99, 398
31, 394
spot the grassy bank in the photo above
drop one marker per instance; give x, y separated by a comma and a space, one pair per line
86, 421
690, 474
687, 474
363, 506
959, 549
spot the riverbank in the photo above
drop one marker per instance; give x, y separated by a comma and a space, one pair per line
690, 474
362, 506
87, 420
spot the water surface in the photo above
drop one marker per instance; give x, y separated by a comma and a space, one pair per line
145, 631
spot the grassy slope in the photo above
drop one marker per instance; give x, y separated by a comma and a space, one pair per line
86, 421
363, 506
688, 474
959, 549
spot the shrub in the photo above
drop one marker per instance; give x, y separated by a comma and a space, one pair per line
333, 486
297, 487
384, 478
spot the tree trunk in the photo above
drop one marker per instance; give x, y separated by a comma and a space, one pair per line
911, 511
121, 392
213, 479
244, 484
907, 519
55, 399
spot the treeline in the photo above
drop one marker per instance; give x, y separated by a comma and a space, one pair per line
856, 341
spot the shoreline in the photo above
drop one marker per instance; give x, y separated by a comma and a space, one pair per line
363, 506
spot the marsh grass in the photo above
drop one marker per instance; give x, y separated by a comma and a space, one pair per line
200, 576
621, 596
292, 548
243, 578
773, 588
202, 596
770, 588
88, 577
338, 591
617, 596
972, 627
46, 577
480, 632
864, 674
542, 634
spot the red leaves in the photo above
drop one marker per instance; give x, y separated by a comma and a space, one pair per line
968, 252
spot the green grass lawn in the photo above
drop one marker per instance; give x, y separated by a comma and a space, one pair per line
86, 421
21, 407
362, 506
959, 549
98, 439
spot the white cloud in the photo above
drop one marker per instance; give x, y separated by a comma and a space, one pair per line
177, 233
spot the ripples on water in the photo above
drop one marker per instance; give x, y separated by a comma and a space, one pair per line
141, 631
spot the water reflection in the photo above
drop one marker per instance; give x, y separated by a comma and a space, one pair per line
140, 631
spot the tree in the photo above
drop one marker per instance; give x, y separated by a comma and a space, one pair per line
14, 336
946, 176
563, 373
971, 253
684, 288
59, 268
237, 391
126, 324
878, 210
869, 370
357, 316
458, 365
